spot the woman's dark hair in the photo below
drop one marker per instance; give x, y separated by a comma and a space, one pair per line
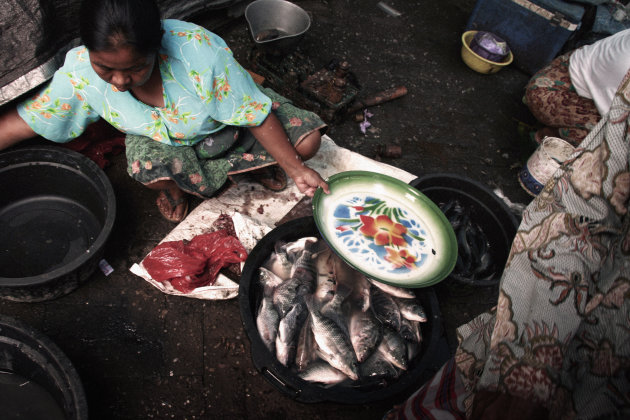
108, 24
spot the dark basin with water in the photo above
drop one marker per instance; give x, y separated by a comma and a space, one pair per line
37, 380
57, 209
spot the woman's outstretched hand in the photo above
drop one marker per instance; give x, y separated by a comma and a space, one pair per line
308, 180
274, 139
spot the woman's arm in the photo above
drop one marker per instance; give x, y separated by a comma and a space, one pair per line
13, 128
274, 139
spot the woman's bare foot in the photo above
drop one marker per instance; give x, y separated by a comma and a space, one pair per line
173, 208
172, 202
271, 177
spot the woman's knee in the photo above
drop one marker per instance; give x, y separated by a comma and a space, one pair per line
308, 147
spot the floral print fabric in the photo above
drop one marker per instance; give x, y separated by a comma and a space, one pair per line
209, 101
559, 337
203, 168
204, 89
552, 99
561, 333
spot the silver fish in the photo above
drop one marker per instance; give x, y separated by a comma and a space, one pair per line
410, 330
287, 294
324, 260
325, 290
286, 340
385, 309
269, 281
377, 366
393, 290
267, 322
305, 347
323, 373
361, 293
365, 333
295, 249
394, 349
335, 308
278, 262
284, 351
343, 273
326, 285
333, 344
304, 266
411, 309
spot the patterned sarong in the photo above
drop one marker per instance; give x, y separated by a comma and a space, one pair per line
558, 344
552, 99
203, 168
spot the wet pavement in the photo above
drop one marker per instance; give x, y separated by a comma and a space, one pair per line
143, 354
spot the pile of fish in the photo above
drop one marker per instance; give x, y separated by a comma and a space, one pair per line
331, 324
474, 258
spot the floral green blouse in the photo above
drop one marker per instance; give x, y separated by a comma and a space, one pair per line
204, 89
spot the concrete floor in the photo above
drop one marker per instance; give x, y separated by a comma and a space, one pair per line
143, 354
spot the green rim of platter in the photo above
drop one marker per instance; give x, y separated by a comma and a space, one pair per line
385, 229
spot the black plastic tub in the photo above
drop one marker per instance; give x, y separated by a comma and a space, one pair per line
37, 380
57, 209
486, 209
433, 354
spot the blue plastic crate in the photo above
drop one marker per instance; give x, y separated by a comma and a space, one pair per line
535, 30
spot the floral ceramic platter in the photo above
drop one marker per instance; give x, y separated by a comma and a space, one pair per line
385, 229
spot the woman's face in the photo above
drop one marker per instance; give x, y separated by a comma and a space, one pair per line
122, 67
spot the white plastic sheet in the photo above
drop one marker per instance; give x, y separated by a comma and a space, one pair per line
255, 211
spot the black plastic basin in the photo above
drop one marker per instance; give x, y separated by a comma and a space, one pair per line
486, 209
57, 209
37, 380
433, 354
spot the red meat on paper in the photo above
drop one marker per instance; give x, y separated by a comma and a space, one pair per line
195, 263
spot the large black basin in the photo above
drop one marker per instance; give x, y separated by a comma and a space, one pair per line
433, 354
486, 209
57, 209
37, 380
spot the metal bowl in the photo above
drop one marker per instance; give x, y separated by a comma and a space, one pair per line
277, 26
57, 209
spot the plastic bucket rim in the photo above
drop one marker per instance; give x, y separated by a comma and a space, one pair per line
72, 388
102, 237
414, 182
